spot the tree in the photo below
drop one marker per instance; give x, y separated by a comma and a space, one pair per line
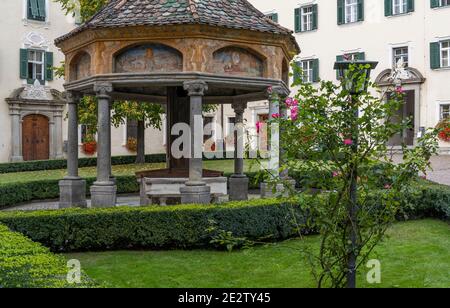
85, 8
319, 140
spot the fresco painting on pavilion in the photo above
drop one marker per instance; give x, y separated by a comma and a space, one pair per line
149, 58
237, 61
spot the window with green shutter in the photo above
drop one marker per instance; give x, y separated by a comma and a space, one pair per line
306, 18
439, 3
308, 71
36, 65
36, 10
273, 17
349, 11
435, 55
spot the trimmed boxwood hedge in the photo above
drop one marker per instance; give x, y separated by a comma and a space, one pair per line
26, 264
17, 193
182, 226
82, 162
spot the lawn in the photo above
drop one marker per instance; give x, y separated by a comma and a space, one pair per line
220, 165
416, 254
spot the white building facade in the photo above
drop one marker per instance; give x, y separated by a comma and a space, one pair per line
416, 31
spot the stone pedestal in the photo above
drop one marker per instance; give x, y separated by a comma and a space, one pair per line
195, 194
72, 193
103, 195
238, 188
282, 190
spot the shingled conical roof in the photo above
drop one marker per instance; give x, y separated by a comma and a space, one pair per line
236, 14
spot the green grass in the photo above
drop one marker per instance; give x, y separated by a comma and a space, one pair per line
416, 254
220, 165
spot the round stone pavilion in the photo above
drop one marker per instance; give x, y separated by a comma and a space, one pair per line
180, 53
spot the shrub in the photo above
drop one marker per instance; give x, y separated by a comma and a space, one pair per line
182, 226
83, 162
20, 192
25, 264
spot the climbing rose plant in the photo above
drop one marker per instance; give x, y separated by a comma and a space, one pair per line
323, 139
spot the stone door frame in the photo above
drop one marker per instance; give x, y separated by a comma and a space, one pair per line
51, 107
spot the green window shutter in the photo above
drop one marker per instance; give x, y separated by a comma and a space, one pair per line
387, 7
315, 16
434, 3
298, 21
316, 70
41, 8
340, 12
33, 8
435, 55
49, 66
297, 74
361, 56
23, 63
275, 17
339, 59
410, 6
360, 10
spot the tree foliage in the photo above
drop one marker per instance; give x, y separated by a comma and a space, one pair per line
84, 8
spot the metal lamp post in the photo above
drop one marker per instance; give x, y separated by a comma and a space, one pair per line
355, 81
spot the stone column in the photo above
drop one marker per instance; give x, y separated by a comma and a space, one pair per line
72, 188
239, 181
58, 136
275, 95
104, 190
196, 190
16, 138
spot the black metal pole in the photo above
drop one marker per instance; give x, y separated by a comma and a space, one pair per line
353, 205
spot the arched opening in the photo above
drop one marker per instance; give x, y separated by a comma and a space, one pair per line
285, 72
80, 67
146, 58
35, 137
234, 60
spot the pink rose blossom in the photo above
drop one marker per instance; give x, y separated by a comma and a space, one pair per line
276, 116
387, 186
399, 90
270, 90
348, 142
336, 174
294, 113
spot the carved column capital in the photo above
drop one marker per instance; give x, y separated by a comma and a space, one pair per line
103, 89
277, 92
239, 106
195, 87
72, 97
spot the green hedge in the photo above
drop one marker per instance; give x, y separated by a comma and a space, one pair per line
185, 226
154, 227
16, 193
83, 162
26, 264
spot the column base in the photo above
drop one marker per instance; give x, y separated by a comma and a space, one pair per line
238, 187
103, 195
195, 194
281, 190
72, 193
16, 159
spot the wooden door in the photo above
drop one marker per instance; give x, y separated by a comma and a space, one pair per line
406, 111
35, 138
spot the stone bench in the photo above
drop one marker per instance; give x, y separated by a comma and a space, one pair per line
158, 187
